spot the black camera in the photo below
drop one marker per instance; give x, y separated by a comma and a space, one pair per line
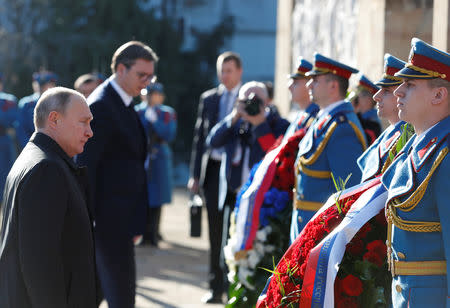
252, 104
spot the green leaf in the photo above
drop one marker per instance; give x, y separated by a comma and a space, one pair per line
366, 270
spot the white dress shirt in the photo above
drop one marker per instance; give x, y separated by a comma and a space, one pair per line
126, 98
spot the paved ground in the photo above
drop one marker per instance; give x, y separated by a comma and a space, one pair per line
174, 275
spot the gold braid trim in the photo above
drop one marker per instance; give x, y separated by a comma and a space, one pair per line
323, 70
392, 77
307, 205
410, 203
359, 135
409, 225
311, 160
419, 268
308, 124
314, 173
425, 71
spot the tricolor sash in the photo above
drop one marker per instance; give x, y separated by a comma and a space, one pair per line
324, 259
247, 220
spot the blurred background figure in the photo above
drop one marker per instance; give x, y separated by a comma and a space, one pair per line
42, 81
8, 123
160, 124
86, 84
215, 104
364, 105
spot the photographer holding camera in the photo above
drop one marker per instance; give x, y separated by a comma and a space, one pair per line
246, 134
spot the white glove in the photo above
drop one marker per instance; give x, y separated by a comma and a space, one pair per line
150, 115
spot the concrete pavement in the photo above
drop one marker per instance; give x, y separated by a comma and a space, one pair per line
175, 274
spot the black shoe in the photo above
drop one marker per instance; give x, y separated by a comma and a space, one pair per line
212, 298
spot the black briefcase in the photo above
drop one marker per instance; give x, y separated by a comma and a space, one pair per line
195, 209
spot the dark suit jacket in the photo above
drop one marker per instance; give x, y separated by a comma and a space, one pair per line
46, 241
115, 158
207, 115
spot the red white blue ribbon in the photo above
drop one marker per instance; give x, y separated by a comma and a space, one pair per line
324, 259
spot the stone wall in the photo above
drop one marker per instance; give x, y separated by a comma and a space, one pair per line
406, 19
356, 32
325, 26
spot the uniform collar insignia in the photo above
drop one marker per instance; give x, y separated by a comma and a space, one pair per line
392, 138
429, 143
423, 151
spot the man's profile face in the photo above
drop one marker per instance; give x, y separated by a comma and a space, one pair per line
87, 88
318, 89
74, 128
155, 98
386, 103
299, 92
137, 77
413, 100
230, 74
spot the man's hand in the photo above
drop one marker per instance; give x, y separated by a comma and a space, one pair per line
237, 113
193, 185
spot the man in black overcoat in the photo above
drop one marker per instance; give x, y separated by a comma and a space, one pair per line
115, 159
46, 238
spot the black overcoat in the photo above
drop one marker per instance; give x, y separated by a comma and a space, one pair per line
46, 241
115, 158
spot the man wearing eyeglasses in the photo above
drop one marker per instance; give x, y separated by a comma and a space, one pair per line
115, 159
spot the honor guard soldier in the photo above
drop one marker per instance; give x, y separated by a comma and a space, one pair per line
372, 162
418, 182
160, 124
8, 122
300, 96
332, 144
364, 105
41, 82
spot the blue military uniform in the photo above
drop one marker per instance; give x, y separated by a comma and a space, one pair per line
305, 117
8, 151
331, 146
373, 159
371, 115
27, 105
418, 182
369, 119
158, 163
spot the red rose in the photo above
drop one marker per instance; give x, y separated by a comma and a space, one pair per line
355, 247
352, 286
377, 247
374, 258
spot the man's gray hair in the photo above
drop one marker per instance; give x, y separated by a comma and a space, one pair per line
54, 99
256, 87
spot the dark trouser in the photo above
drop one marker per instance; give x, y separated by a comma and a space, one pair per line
228, 208
152, 227
116, 269
215, 226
